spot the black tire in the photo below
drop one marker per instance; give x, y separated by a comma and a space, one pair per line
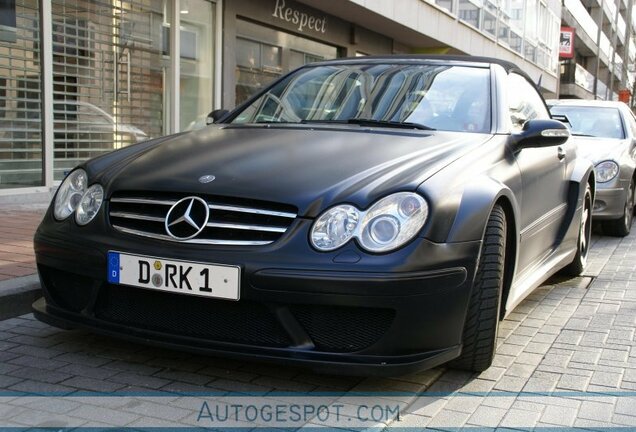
622, 226
479, 338
577, 265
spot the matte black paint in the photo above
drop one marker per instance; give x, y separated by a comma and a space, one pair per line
427, 282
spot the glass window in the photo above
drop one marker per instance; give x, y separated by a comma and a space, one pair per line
442, 97
469, 11
20, 97
263, 54
531, 52
516, 42
197, 65
490, 19
524, 102
248, 53
445, 4
109, 69
592, 121
531, 20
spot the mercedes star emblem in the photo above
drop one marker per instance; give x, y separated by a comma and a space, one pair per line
187, 218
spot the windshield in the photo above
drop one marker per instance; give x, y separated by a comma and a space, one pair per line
453, 98
599, 122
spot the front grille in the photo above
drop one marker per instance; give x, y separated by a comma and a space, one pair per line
343, 329
237, 222
242, 322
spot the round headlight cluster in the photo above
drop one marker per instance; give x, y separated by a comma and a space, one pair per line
74, 196
388, 224
605, 171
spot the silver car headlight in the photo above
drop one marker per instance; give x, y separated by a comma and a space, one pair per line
70, 194
335, 227
89, 205
606, 171
387, 225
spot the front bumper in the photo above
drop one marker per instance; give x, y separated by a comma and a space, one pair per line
345, 311
609, 203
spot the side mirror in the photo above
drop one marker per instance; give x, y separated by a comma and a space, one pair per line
216, 115
541, 133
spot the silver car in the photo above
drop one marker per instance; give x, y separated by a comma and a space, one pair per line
606, 134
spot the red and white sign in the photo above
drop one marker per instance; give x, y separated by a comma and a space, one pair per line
566, 42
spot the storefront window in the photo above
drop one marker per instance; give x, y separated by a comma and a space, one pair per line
20, 96
109, 74
197, 54
263, 54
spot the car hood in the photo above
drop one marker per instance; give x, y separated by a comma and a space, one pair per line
310, 168
600, 149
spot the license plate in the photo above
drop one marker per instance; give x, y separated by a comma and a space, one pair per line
207, 280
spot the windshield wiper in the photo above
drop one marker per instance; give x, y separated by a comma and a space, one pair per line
583, 135
373, 122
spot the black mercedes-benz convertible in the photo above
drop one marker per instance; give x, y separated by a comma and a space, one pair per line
372, 215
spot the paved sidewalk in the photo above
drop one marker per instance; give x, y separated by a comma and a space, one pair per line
16, 240
566, 357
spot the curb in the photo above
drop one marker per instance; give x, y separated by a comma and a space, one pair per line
17, 295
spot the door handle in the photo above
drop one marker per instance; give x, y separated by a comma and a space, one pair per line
561, 153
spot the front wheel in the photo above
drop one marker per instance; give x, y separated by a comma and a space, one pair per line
479, 338
577, 265
622, 226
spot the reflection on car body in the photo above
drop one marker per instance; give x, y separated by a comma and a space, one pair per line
606, 134
342, 229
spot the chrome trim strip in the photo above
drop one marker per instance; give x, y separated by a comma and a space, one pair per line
142, 201
211, 206
137, 216
247, 227
252, 210
193, 241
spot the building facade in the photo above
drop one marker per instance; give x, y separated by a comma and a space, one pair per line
79, 78
602, 49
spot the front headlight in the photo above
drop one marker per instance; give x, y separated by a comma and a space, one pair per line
387, 225
89, 205
335, 227
606, 170
70, 194
393, 221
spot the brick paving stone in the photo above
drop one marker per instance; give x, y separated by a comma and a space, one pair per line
38, 387
105, 415
596, 411
516, 418
573, 382
448, 419
605, 379
47, 376
485, 416
559, 416
90, 384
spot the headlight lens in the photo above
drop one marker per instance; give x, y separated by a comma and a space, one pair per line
393, 221
605, 171
89, 204
70, 194
387, 225
335, 227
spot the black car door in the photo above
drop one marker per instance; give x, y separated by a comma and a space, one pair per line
543, 199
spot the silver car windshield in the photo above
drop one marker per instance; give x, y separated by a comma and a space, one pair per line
443, 97
602, 122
